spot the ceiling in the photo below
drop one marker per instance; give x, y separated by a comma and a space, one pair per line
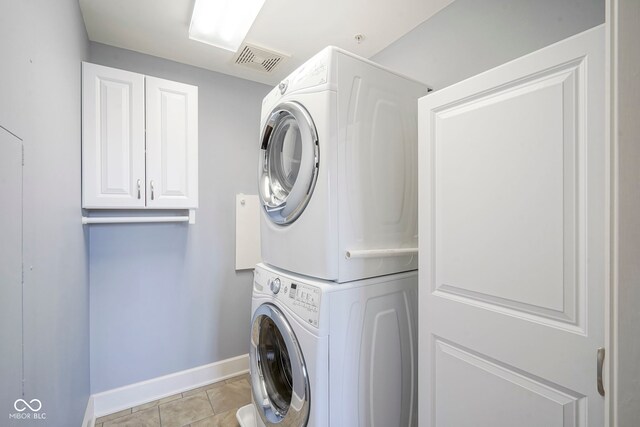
295, 28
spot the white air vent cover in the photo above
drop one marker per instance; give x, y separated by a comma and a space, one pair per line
258, 58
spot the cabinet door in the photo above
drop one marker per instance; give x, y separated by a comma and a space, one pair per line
113, 174
172, 144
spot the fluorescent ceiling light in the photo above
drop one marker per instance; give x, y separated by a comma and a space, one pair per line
223, 23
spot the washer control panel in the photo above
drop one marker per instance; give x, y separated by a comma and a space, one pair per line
305, 301
302, 298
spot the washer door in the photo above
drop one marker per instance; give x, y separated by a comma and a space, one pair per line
288, 162
279, 379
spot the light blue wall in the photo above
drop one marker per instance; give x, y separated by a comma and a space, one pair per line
165, 297
41, 45
471, 36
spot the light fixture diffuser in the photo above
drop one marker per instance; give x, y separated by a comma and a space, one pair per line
223, 23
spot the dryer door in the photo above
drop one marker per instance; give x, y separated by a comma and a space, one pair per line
279, 379
289, 160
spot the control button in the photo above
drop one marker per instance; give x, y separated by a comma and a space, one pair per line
275, 285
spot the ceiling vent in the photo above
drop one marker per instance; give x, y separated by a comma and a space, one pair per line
257, 58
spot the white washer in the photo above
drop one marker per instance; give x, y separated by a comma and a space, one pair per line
338, 170
357, 340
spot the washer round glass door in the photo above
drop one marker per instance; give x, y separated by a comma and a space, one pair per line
289, 161
279, 380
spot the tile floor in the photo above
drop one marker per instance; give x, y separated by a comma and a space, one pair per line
214, 405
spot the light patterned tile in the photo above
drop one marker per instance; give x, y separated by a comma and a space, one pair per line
145, 406
156, 402
170, 398
226, 419
232, 395
113, 416
238, 378
186, 410
203, 388
147, 418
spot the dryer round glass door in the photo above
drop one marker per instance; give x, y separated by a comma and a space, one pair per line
279, 380
289, 160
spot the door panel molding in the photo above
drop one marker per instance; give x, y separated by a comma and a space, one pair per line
456, 370
563, 89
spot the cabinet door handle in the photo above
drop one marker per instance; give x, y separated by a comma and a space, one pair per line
139, 183
151, 187
600, 383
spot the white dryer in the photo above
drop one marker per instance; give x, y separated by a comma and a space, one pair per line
357, 340
338, 170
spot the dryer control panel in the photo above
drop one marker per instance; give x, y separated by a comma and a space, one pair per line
303, 299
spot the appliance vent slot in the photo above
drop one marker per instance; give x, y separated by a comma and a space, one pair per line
258, 58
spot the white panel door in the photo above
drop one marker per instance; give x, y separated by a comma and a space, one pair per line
513, 242
172, 144
113, 169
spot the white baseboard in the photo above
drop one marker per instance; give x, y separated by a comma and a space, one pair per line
89, 419
110, 401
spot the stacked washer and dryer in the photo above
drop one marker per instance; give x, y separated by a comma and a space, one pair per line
334, 307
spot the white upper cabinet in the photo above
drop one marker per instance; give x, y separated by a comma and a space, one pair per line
121, 168
172, 144
113, 170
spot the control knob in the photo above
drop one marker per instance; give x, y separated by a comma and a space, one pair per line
275, 285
